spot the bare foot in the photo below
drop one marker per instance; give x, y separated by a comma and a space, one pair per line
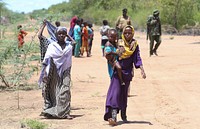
112, 122
69, 117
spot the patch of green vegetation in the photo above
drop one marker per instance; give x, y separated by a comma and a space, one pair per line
33, 124
28, 87
34, 58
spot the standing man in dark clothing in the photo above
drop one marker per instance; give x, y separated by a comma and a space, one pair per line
122, 21
154, 32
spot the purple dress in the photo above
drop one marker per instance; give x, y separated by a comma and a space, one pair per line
117, 94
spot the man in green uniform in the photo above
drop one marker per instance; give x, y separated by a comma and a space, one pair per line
154, 32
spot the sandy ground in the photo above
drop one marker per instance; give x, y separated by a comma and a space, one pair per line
167, 99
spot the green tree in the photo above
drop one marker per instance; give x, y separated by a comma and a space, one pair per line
178, 12
2, 5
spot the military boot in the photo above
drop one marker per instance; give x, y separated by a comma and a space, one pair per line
155, 52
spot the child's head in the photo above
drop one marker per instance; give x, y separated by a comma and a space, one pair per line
19, 26
90, 25
105, 22
57, 23
85, 23
128, 32
61, 33
112, 35
78, 21
81, 19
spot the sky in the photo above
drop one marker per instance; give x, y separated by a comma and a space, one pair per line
29, 5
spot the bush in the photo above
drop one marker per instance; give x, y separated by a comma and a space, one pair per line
34, 124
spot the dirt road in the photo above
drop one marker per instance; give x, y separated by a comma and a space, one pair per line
167, 99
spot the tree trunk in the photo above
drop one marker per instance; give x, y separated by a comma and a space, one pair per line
176, 14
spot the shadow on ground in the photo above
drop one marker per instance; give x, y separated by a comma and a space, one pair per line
134, 122
195, 43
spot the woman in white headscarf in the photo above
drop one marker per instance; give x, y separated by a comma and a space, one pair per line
55, 77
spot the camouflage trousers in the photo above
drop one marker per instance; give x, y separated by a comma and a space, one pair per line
154, 47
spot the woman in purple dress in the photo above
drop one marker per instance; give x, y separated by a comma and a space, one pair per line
117, 94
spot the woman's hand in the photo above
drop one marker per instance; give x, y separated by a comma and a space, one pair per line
44, 79
143, 74
132, 45
44, 21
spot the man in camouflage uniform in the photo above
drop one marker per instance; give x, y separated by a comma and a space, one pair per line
154, 31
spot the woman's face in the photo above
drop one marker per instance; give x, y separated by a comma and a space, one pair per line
128, 34
61, 35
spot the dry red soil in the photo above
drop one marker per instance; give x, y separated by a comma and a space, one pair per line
169, 98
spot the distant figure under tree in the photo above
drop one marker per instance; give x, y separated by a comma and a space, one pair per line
21, 35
